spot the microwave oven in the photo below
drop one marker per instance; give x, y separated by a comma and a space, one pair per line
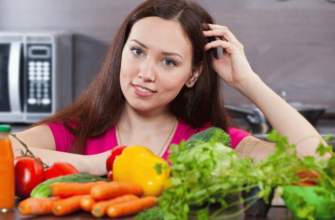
35, 75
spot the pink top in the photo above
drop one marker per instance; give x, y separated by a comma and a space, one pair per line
108, 141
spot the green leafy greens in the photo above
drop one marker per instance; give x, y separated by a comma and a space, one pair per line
205, 170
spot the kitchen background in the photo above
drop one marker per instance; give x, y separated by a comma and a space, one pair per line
289, 43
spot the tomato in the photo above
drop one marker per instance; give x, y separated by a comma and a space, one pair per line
116, 151
28, 174
305, 183
59, 169
307, 178
110, 175
28, 156
308, 174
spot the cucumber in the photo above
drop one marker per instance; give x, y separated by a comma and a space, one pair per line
42, 190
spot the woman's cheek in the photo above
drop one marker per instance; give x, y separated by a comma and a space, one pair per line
129, 69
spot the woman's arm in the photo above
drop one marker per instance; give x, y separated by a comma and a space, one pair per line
41, 143
234, 68
255, 148
282, 117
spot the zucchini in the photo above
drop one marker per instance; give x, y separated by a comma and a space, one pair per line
42, 190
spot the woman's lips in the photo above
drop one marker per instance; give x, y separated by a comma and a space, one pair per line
142, 91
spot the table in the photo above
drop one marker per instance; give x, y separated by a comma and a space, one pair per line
275, 213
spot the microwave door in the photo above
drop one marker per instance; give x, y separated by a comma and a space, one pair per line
14, 77
4, 88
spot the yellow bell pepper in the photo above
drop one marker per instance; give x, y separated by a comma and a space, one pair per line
136, 164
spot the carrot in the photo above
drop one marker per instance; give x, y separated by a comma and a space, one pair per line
99, 208
67, 206
36, 206
65, 189
86, 203
131, 207
115, 189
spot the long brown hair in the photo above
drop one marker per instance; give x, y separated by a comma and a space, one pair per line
100, 106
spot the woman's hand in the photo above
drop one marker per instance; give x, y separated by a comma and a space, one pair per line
233, 66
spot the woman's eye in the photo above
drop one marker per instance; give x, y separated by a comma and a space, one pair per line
137, 51
169, 63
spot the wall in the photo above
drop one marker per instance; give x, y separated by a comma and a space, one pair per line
290, 44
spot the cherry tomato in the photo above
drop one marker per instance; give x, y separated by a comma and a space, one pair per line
116, 151
59, 169
28, 174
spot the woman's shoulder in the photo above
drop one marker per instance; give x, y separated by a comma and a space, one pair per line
62, 136
64, 140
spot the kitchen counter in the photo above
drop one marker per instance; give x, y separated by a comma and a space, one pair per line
275, 213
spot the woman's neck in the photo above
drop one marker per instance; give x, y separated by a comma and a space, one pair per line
154, 129
131, 119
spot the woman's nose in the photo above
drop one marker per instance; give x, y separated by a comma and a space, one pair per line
147, 71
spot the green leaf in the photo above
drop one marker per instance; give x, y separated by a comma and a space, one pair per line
328, 137
182, 146
322, 149
175, 181
304, 210
203, 214
224, 204
155, 213
174, 148
273, 136
309, 162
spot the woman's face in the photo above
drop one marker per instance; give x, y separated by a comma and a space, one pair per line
156, 64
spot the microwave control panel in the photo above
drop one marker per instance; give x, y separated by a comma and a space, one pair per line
39, 78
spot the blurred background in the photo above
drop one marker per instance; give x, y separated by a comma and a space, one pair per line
290, 44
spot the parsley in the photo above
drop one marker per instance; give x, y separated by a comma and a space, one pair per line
206, 171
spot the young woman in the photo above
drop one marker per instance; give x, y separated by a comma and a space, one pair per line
160, 83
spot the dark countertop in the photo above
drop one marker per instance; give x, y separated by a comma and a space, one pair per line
275, 213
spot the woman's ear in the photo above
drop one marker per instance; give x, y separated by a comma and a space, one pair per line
196, 71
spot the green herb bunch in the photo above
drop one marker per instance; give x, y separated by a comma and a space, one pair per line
205, 170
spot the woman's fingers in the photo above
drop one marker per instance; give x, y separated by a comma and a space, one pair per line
223, 33
227, 46
217, 33
212, 26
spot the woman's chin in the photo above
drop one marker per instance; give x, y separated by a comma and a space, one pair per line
145, 108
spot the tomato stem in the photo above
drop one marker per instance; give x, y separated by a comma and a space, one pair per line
45, 166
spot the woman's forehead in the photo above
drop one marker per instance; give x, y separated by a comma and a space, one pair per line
161, 34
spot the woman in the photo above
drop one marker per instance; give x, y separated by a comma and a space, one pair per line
160, 83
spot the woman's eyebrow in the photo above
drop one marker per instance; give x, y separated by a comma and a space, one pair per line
143, 45
171, 54
164, 53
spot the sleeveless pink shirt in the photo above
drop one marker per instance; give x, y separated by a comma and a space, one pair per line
108, 141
